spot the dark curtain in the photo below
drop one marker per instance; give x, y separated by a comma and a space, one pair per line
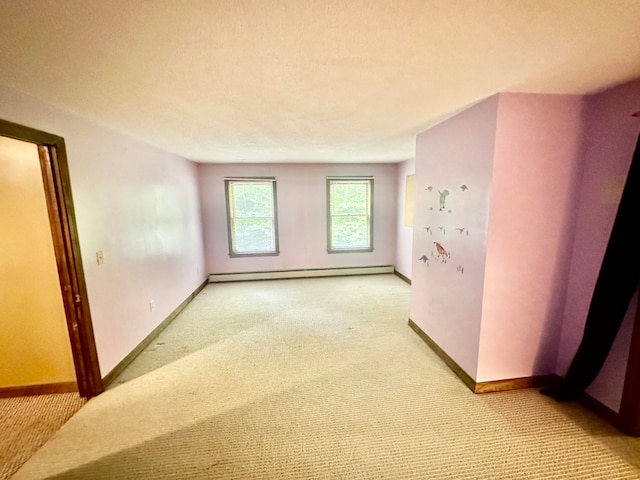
616, 284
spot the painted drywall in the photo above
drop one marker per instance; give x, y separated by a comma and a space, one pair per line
136, 204
534, 192
34, 343
446, 298
302, 216
557, 174
611, 134
404, 233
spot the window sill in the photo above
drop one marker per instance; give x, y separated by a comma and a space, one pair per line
351, 250
261, 254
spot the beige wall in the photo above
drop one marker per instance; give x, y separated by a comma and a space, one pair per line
34, 344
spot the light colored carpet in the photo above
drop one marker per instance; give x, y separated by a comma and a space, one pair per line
26, 423
318, 379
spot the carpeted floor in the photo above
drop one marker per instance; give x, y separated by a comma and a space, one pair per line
318, 379
28, 422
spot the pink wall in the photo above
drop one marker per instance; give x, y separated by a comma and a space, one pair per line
404, 234
610, 141
446, 298
137, 204
536, 173
302, 216
552, 182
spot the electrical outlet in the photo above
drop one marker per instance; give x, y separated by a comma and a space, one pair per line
99, 257
151, 306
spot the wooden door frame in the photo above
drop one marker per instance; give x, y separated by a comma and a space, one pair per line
57, 187
629, 416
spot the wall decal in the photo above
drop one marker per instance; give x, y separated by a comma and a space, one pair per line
443, 255
439, 252
443, 198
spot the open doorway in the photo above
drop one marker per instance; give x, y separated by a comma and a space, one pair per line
51, 156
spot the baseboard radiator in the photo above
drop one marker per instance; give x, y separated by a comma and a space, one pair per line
303, 273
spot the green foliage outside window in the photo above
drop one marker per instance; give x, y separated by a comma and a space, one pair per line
350, 214
251, 210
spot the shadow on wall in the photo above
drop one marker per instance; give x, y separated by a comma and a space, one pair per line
611, 134
546, 359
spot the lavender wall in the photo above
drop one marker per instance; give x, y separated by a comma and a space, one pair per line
446, 298
611, 134
536, 173
137, 204
555, 178
302, 216
404, 234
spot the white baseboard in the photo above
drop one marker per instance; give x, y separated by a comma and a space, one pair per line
308, 273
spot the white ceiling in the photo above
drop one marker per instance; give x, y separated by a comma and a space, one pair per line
305, 80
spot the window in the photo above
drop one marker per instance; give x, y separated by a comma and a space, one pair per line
252, 221
350, 214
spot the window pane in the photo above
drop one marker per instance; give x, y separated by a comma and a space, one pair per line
349, 198
349, 232
252, 200
350, 211
251, 217
253, 235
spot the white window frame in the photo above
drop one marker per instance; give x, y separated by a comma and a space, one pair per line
231, 217
369, 214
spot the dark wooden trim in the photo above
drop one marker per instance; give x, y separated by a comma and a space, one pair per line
601, 410
57, 202
57, 187
514, 383
94, 384
62, 261
629, 421
482, 387
450, 362
589, 402
27, 134
44, 389
124, 363
398, 274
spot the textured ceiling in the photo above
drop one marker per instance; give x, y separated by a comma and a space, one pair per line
305, 80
